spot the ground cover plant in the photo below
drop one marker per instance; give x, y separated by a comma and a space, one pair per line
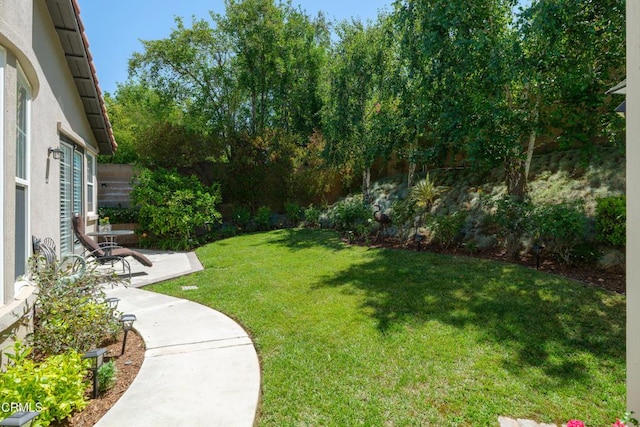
350, 335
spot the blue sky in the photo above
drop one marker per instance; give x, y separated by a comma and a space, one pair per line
115, 27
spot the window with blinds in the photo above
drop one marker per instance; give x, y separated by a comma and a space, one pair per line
91, 183
66, 199
71, 193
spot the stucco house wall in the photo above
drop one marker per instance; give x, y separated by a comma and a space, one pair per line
32, 49
633, 206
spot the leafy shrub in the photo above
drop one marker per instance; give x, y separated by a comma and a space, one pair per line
404, 215
70, 315
174, 208
512, 219
348, 214
227, 231
446, 228
107, 374
263, 218
294, 213
312, 216
561, 227
55, 386
241, 217
120, 215
611, 220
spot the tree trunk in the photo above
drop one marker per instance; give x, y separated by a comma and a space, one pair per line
515, 177
532, 137
366, 185
532, 146
411, 174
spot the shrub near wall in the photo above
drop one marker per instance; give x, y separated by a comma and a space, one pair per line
55, 386
611, 220
174, 208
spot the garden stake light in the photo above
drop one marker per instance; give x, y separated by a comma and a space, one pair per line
97, 359
127, 323
417, 238
537, 249
22, 418
112, 302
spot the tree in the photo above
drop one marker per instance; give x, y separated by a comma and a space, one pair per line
239, 89
481, 83
575, 51
360, 111
279, 53
458, 95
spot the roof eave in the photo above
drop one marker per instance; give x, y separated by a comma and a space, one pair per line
65, 15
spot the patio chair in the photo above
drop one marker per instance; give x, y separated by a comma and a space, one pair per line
107, 252
45, 247
74, 265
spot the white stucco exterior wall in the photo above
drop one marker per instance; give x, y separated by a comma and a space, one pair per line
30, 44
633, 205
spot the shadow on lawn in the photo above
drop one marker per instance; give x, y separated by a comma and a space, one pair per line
307, 238
544, 319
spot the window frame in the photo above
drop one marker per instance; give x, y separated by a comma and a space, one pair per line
23, 172
91, 180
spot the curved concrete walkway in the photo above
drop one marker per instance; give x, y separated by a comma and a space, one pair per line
200, 367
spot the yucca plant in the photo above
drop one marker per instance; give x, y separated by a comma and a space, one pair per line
424, 193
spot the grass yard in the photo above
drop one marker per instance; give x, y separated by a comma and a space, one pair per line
354, 336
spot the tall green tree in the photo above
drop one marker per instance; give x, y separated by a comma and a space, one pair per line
574, 51
360, 110
458, 95
279, 54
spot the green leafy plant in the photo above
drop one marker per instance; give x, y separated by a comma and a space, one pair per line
348, 214
294, 213
445, 228
512, 218
107, 374
174, 209
227, 231
312, 216
611, 220
424, 193
561, 228
404, 215
70, 314
54, 386
263, 218
119, 215
241, 217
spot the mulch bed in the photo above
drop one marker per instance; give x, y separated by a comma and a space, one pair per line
127, 367
611, 279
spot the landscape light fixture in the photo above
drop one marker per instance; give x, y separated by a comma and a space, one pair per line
97, 359
22, 418
112, 302
418, 238
537, 249
622, 109
127, 324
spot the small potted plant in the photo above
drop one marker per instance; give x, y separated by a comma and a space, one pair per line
104, 224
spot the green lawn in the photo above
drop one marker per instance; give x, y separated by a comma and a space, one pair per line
356, 336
